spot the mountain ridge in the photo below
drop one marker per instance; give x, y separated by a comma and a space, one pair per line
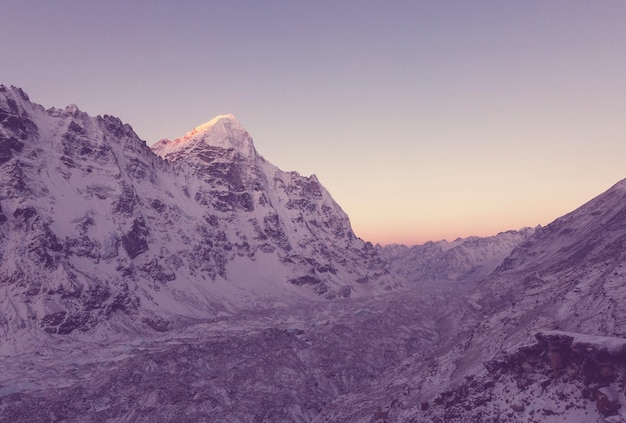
463, 259
96, 227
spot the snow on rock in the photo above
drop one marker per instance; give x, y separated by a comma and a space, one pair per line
597, 346
530, 385
223, 131
461, 259
96, 227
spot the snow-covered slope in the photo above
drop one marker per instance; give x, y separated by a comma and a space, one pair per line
461, 259
96, 230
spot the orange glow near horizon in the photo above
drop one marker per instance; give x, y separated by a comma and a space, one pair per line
464, 219
404, 233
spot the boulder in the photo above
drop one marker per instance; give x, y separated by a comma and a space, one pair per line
607, 401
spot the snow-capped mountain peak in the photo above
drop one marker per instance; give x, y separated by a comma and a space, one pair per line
229, 117
94, 226
224, 132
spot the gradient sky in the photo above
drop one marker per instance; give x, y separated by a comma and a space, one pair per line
424, 119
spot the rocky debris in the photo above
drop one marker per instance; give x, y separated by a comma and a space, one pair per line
159, 272
314, 282
272, 365
518, 406
607, 400
560, 375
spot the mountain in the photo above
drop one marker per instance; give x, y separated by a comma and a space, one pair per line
461, 259
100, 233
195, 282
539, 339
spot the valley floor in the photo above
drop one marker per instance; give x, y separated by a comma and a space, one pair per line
388, 358
286, 363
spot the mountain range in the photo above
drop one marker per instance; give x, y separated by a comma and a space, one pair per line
193, 281
459, 260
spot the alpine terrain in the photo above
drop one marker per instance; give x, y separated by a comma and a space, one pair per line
461, 259
193, 281
100, 233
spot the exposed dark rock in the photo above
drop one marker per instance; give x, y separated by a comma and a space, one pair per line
138, 169
274, 231
7, 147
345, 291
158, 272
363, 280
123, 301
116, 127
230, 201
25, 213
62, 323
96, 297
126, 202
305, 280
315, 283
53, 319
156, 324
68, 162
73, 322
607, 401
134, 242
157, 205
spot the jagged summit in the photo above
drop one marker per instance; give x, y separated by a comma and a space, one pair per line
223, 132
14, 89
207, 125
15, 100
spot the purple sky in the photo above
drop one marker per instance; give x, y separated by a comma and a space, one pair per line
425, 120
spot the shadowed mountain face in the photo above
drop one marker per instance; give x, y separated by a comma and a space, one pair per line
96, 227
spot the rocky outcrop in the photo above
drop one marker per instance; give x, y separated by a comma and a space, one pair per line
575, 376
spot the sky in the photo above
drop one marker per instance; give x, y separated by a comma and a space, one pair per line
426, 120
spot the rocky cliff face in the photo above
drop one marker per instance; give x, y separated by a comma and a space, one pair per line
96, 230
271, 211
